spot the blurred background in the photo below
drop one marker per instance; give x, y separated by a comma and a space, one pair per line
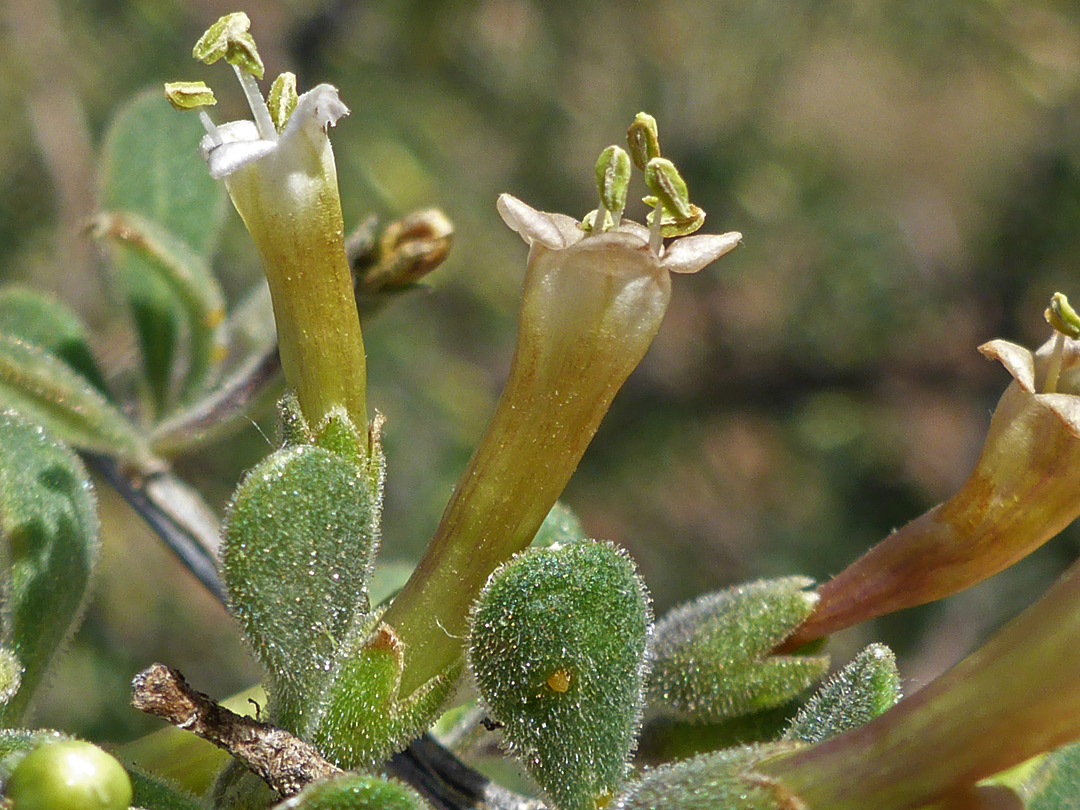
906, 177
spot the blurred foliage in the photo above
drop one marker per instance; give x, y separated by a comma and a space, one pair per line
907, 177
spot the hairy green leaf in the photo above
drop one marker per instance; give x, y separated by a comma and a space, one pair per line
45, 322
153, 793
175, 279
724, 780
362, 718
150, 168
47, 390
858, 693
355, 791
664, 739
299, 545
557, 647
49, 529
712, 658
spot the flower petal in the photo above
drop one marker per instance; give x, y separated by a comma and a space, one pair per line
1018, 361
693, 253
530, 224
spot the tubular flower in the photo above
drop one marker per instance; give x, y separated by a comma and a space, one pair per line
1024, 490
280, 173
591, 305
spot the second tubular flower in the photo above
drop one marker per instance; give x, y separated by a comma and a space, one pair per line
593, 301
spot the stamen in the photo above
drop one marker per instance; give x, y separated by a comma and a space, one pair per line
263, 123
211, 128
1054, 370
656, 238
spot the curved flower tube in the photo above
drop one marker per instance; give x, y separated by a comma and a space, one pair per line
1024, 490
591, 305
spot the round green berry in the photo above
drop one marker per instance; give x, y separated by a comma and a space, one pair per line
68, 775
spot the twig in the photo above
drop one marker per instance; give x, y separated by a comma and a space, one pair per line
187, 539
285, 762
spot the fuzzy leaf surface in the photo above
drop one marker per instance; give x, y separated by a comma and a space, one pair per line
150, 167
723, 780
557, 647
355, 791
300, 541
712, 657
868, 686
49, 528
362, 718
45, 322
49, 391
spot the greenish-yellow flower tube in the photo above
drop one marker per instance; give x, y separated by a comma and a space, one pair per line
285, 188
590, 309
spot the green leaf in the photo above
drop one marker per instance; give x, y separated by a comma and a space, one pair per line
712, 658
150, 167
299, 545
557, 647
355, 791
724, 780
47, 390
161, 274
362, 718
664, 739
865, 688
560, 526
49, 530
47, 323
1055, 785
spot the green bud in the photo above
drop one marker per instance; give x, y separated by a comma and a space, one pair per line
338, 434
712, 658
189, 95
723, 780
557, 647
643, 139
68, 775
1062, 316
858, 693
613, 179
229, 38
282, 99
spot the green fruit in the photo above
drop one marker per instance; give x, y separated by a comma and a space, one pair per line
69, 775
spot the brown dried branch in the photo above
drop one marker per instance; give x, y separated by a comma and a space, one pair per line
286, 763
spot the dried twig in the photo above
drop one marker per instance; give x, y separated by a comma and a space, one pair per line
285, 762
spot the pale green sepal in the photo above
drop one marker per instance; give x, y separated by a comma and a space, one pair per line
49, 532
362, 719
338, 435
300, 541
45, 322
281, 100
228, 38
47, 390
712, 658
140, 242
724, 780
557, 648
865, 688
355, 791
561, 526
1055, 785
